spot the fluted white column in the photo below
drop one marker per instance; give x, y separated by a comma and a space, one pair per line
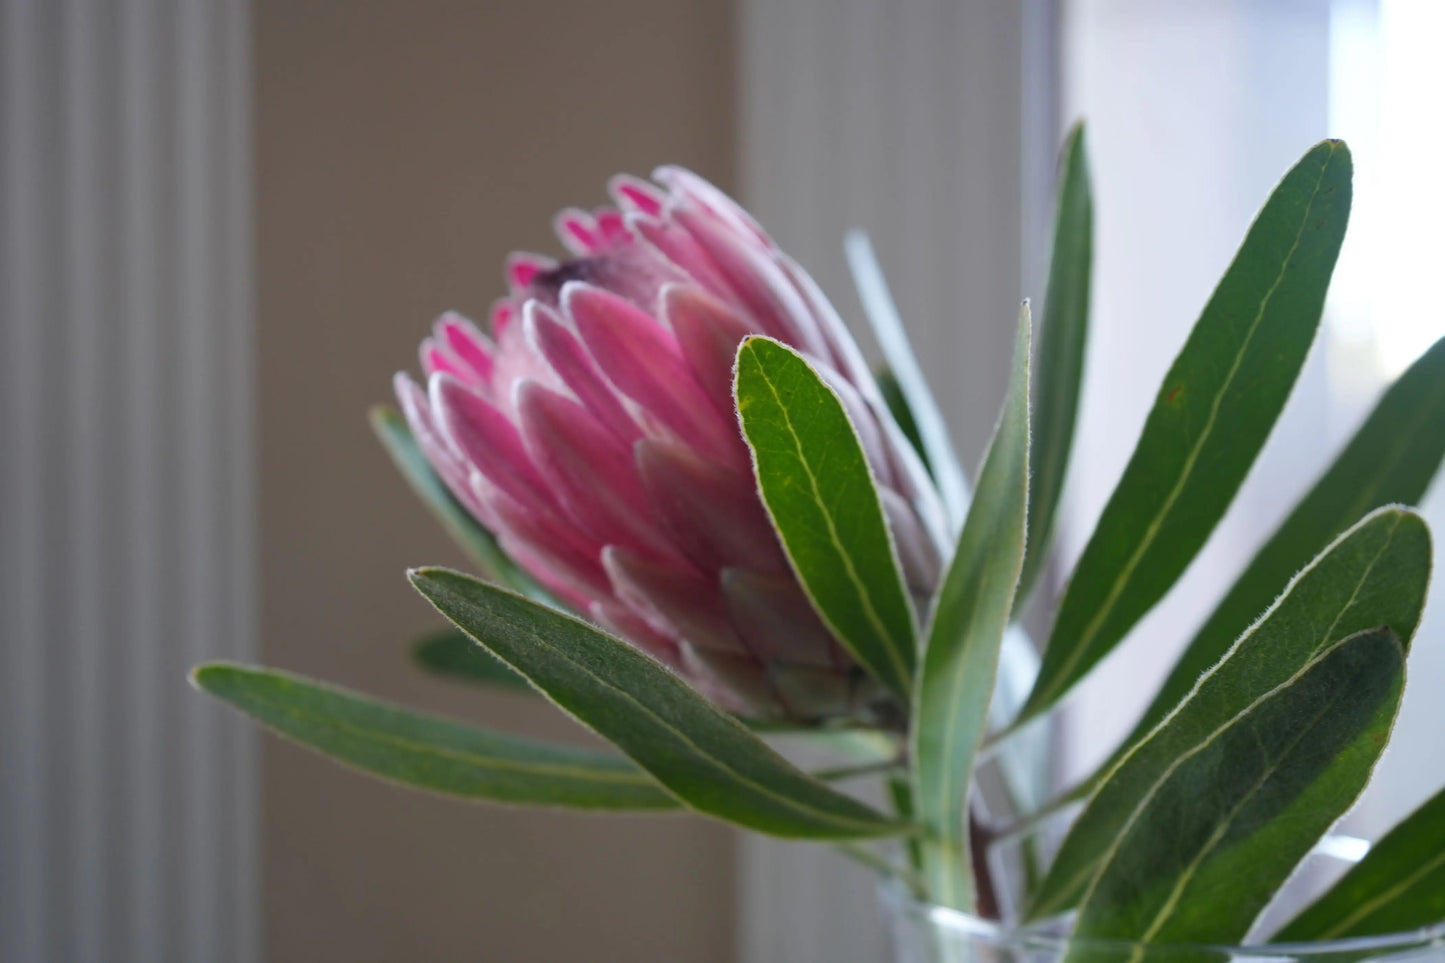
127, 816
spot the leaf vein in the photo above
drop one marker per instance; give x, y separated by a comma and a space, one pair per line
899, 666
709, 758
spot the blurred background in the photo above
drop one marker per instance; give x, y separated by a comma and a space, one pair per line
224, 225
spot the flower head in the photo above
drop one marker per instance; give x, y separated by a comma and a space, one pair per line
593, 431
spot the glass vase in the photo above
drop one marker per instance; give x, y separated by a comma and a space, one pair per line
922, 933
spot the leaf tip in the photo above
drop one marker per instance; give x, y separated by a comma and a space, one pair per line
1337, 154
426, 576
197, 675
382, 416
209, 677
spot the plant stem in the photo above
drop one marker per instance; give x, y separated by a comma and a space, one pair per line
986, 895
1054, 806
901, 791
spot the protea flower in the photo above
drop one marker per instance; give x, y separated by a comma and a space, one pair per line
594, 433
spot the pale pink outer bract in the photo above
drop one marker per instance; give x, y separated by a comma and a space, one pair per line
594, 433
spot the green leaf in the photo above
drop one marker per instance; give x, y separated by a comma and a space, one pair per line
900, 793
932, 429
1398, 886
1375, 574
429, 753
819, 491
1061, 354
452, 653
703, 756
1211, 417
1390, 460
1207, 840
960, 658
479, 544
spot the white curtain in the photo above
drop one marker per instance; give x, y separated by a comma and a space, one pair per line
127, 817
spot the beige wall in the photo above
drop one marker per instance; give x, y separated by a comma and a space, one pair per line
404, 149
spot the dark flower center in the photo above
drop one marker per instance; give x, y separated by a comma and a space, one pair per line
547, 285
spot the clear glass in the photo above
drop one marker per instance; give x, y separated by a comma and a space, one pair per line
921, 933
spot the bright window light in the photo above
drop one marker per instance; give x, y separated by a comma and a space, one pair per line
1387, 80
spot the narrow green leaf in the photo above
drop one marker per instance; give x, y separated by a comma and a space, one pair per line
1061, 354
703, 756
960, 658
1211, 417
1207, 840
429, 753
819, 491
396, 437
452, 653
1390, 460
1375, 574
1398, 886
892, 338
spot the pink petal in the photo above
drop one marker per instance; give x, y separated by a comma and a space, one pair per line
864, 422
683, 181
562, 586
814, 693
553, 341
736, 683
502, 313
549, 548
711, 513
756, 280
635, 272
644, 362
682, 250
576, 229
674, 599
466, 343
777, 620
517, 359
632, 193
488, 440
914, 483
592, 472
920, 560
612, 226
436, 357
843, 349
439, 454
623, 622
523, 268
908, 469
708, 333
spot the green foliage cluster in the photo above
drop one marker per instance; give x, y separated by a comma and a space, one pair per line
1259, 740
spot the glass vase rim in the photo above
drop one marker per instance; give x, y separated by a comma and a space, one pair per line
897, 896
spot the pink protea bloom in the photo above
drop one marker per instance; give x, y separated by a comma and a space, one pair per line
594, 433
